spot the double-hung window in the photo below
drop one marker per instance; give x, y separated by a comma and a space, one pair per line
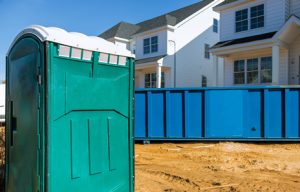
266, 70
147, 46
252, 71
251, 18
257, 16
151, 45
241, 20
239, 72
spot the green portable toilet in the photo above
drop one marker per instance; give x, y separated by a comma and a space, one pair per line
69, 113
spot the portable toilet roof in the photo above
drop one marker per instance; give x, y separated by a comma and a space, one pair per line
74, 39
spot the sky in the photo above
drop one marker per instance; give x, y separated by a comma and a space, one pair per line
90, 17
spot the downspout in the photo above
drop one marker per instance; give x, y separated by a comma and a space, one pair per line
175, 62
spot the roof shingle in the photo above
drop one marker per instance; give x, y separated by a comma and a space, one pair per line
126, 30
244, 40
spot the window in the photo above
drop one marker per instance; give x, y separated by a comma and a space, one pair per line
76, 53
122, 60
253, 71
257, 16
206, 51
103, 58
215, 26
151, 45
163, 80
204, 81
239, 72
154, 44
150, 80
241, 20
147, 46
113, 59
64, 51
266, 70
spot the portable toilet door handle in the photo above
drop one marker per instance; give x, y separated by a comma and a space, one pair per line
13, 124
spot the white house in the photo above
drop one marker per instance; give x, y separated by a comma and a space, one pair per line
172, 50
259, 42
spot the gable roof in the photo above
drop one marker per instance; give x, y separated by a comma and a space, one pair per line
126, 30
244, 40
122, 30
226, 2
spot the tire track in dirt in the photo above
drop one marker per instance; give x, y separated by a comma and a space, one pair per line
184, 182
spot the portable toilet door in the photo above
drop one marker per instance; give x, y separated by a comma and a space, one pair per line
69, 113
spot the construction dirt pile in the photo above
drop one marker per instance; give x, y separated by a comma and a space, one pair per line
217, 167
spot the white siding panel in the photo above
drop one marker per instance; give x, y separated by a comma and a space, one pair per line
283, 68
275, 16
228, 72
294, 62
190, 38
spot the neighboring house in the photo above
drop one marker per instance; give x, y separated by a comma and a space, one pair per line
172, 50
259, 42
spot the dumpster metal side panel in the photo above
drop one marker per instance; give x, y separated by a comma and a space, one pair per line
24, 117
89, 125
268, 113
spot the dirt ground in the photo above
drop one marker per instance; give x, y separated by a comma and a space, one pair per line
186, 167
217, 167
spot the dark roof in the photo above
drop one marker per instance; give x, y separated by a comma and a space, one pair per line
125, 30
226, 2
148, 60
122, 30
244, 40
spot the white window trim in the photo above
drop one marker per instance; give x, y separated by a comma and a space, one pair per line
249, 18
246, 71
150, 45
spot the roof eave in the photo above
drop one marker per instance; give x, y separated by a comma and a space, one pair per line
196, 13
165, 27
230, 5
242, 47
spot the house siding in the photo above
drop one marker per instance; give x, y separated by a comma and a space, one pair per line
190, 38
162, 44
295, 7
275, 16
294, 62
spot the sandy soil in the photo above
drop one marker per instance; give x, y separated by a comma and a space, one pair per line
217, 167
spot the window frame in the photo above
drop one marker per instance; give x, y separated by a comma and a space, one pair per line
150, 47
259, 71
256, 17
249, 18
242, 20
215, 25
206, 51
147, 46
153, 80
